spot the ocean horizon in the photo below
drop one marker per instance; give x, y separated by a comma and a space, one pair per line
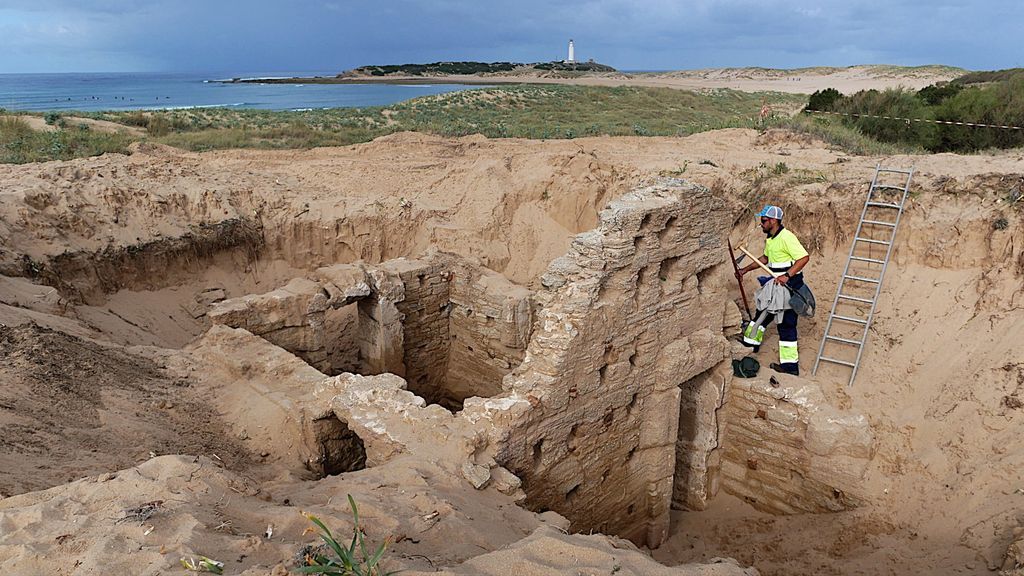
99, 91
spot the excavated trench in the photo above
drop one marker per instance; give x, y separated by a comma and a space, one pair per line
454, 330
449, 326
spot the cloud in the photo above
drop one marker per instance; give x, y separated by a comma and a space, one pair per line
265, 35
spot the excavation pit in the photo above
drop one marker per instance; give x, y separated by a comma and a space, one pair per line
939, 380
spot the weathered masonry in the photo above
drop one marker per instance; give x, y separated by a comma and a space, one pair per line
606, 395
450, 327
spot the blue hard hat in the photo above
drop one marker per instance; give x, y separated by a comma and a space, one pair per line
771, 212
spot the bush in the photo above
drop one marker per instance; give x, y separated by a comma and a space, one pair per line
158, 125
893, 103
936, 94
52, 118
1000, 102
823, 100
19, 143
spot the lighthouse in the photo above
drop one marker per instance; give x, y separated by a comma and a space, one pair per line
572, 53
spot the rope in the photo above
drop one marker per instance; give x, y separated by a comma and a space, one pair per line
909, 120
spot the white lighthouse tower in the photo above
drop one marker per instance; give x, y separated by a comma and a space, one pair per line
572, 53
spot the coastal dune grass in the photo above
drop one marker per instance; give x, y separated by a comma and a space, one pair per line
522, 111
20, 144
512, 111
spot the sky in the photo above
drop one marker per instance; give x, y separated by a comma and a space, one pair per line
264, 36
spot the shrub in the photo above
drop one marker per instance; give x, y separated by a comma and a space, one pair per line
52, 118
999, 104
136, 118
893, 103
936, 93
823, 100
158, 125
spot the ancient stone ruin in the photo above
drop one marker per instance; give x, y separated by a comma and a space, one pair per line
607, 395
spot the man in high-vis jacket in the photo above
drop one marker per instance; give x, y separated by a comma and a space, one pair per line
782, 253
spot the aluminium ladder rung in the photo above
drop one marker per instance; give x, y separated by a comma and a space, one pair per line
880, 223
837, 361
862, 259
855, 298
848, 319
896, 170
861, 279
885, 205
888, 187
870, 241
844, 340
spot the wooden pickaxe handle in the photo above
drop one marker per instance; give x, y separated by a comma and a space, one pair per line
761, 264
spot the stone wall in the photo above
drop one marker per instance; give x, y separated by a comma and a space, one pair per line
698, 453
490, 326
786, 450
617, 399
591, 416
424, 309
403, 324
292, 317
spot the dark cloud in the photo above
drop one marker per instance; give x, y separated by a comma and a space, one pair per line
263, 35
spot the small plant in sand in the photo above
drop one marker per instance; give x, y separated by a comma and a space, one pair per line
203, 564
355, 560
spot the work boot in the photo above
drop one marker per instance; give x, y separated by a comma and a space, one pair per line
795, 371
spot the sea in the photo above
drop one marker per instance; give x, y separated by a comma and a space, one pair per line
149, 91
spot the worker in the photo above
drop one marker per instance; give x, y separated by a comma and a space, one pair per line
783, 254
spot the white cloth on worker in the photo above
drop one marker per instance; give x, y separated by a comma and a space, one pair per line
772, 297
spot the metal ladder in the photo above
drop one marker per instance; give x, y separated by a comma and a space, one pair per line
865, 238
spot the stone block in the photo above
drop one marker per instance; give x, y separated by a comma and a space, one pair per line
344, 283
477, 475
835, 434
687, 357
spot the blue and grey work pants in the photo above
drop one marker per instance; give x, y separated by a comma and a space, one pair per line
789, 355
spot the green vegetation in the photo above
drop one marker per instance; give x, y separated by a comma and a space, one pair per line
203, 564
438, 68
19, 143
354, 560
984, 77
573, 67
521, 111
837, 133
994, 98
459, 68
824, 99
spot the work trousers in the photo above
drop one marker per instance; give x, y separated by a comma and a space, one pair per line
789, 355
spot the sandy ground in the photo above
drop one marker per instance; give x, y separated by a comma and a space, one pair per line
940, 380
39, 123
801, 81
